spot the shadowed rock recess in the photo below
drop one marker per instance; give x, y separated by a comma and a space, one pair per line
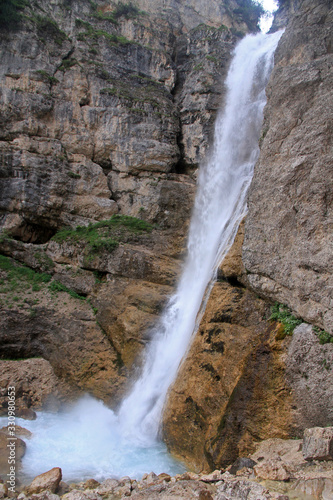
106, 111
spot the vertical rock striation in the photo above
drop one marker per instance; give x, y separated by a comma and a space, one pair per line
244, 380
288, 234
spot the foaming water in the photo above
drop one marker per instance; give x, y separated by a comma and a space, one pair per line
86, 441
89, 440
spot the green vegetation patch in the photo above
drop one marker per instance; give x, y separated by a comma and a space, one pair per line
282, 314
73, 175
47, 77
10, 13
20, 277
4, 236
324, 337
127, 10
48, 28
94, 34
67, 63
45, 262
56, 287
105, 235
212, 58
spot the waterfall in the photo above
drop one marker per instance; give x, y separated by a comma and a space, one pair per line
219, 207
90, 440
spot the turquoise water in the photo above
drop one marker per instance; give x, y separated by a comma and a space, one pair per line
86, 442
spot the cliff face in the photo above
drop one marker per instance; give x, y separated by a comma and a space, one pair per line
105, 108
244, 380
288, 237
89, 118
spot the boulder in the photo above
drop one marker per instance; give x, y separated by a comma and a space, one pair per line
179, 490
213, 477
274, 470
49, 481
26, 413
240, 463
318, 443
91, 484
19, 431
82, 495
318, 487
241, 490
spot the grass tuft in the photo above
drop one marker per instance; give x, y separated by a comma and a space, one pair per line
104, 235
282, 314
324, 337
21, 277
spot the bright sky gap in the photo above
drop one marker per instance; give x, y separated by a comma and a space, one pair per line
270, 7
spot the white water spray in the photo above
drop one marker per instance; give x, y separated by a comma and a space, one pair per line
90, 440
219, 207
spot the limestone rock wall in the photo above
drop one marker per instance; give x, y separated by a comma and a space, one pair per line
105, 109
288, 235
99, 104
244, 380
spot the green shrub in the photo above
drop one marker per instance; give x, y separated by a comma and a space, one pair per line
44, 260
212, 58
127, 10
4, 236
67, 63
282, 314
46, 76
102, 16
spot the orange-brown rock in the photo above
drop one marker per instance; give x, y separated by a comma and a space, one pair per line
133, 310
232, 267
48, 481
230, 391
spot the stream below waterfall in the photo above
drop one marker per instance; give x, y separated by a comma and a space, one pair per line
88, 439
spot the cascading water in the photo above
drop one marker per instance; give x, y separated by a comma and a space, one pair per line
219, 207
90, 440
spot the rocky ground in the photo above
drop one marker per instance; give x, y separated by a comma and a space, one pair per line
278, 470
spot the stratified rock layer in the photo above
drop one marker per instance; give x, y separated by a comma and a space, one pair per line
288, 234
105, 108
